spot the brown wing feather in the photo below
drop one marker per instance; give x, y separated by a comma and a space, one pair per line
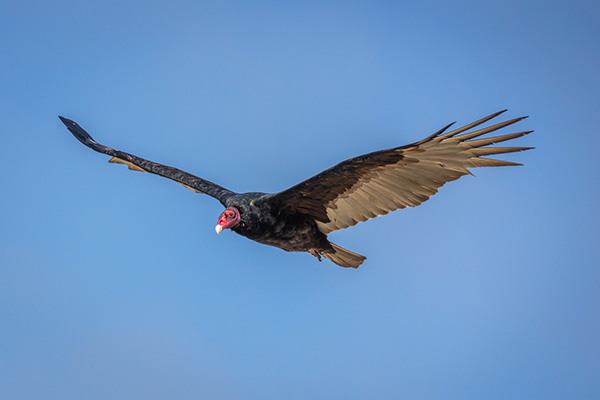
374, 184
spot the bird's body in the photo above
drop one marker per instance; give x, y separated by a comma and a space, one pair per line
262, 221
355, 190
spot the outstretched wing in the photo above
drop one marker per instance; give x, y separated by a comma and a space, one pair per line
374, 184
139, 164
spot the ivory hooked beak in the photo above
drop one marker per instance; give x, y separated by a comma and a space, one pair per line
218, 229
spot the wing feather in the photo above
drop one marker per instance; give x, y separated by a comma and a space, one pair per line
374, 184
135, 163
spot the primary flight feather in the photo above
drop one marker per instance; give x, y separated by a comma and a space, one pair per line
355, 190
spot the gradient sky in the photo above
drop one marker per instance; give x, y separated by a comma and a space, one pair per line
114, 285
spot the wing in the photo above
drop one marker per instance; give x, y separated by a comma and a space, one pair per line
374, 184
190, 181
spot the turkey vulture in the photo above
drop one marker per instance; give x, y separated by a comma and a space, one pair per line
355, 190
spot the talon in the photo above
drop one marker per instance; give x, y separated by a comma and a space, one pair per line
315, 253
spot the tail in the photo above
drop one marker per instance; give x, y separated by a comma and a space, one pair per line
344, 258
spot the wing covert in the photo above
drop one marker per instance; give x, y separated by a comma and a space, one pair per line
188, 180
374, 184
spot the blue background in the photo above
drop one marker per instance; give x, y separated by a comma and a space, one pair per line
114, 285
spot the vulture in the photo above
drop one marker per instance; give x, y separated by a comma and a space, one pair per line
355, 190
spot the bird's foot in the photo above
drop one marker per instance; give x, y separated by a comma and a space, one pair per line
315, 253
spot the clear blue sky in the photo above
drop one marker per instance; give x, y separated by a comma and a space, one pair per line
114, 285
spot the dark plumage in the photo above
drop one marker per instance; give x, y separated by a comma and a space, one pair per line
355, 190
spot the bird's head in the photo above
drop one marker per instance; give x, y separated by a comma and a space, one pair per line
228, 219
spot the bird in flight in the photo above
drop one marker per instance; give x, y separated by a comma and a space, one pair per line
355, 190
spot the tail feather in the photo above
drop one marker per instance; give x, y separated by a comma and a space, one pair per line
344, 258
